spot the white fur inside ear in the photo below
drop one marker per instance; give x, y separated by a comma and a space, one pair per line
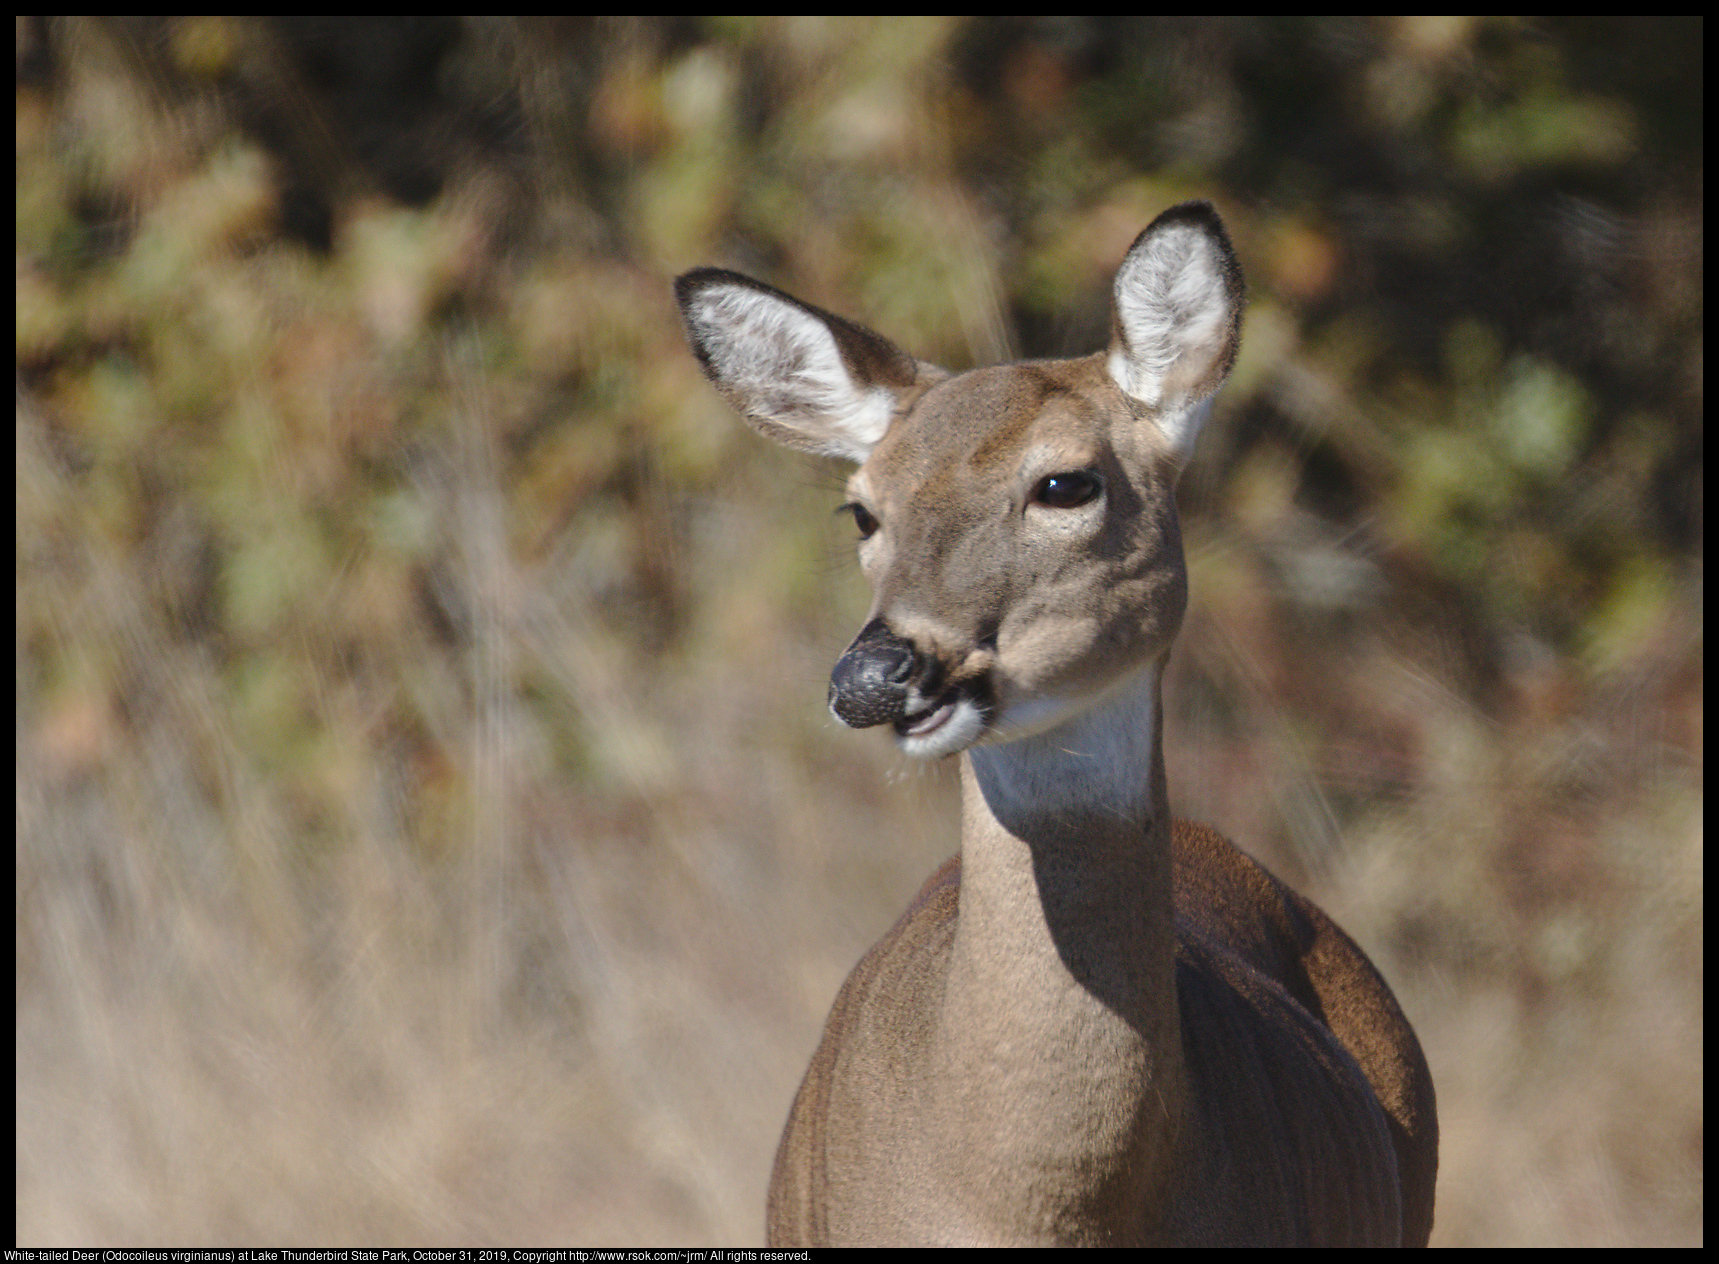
780, 365
1174, 308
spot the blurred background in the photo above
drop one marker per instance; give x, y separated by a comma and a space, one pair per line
430, 829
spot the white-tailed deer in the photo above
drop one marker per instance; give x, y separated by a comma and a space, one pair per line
1095, 1024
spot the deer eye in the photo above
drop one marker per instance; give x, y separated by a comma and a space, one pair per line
1068, 490
863, 518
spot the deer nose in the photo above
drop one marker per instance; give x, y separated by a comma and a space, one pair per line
870, 681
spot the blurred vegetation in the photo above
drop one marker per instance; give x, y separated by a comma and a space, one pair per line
428, 826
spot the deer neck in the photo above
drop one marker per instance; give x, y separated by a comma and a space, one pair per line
1060, 1023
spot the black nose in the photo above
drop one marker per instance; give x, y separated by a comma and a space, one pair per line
869, 683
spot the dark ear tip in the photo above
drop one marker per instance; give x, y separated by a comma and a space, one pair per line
1199, 211
1203, 217
689, 283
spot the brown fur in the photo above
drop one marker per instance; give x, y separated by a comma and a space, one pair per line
1095, 1025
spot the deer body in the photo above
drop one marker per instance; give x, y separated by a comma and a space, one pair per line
1096, 1024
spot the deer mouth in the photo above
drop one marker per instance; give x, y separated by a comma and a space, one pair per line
924, 723
953, 721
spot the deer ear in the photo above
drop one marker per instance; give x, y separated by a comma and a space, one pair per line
1176, 319
798, 374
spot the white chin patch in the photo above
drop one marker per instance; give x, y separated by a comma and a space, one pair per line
1028, 717
952, 727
